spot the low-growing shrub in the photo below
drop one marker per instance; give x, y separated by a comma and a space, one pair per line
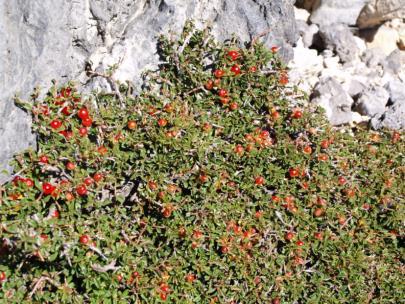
217, 183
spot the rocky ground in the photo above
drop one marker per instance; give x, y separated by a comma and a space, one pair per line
350, 58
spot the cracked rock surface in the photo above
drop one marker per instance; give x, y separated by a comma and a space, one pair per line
53, 39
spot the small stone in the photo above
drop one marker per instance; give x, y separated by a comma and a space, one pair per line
373, 57
330, 95
301, 14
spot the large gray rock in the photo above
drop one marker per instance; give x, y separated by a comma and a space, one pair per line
53, 39
326, 12
395, 62
330, 95
396, 91
394, 117
372, 102
340, 39
377, 12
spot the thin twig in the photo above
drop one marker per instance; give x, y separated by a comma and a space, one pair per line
39, 282
264, 33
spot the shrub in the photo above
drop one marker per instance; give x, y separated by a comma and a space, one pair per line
218, 183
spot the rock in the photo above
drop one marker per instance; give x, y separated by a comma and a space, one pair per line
307, 32
339, 38
331, 62
372, 102
330, 94
53, 39
373, 57
378, 11
327, 12
393, 118
385, 38
309, 5
301, 14
395, 62
306, 59
355, 88
396, 91
310, 36
361, 44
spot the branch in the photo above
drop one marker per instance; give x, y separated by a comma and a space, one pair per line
111, 266
255, 38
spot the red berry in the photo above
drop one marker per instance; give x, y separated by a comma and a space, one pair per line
29, 182
190, 278
324, 144
88, 181
296, 114
203, 178
307, 150
70, 166
318, 235
289, 236
162, 122
81, 190
318, 212
239, 149
222, 93
276, 301
197, 234
87, 122
84, 239
224, 100
299, 243
224, 249
396, 136
66, 111
233, 106
131, 125
164, 287
163, 296
65, 92
54, 213
259, 180
293, 172
233, 54
341, 180
209, 85
152, 185
102, 150
275, 199
83, 113
67, 134
235, 69
3, 276
97, 177
83, 131
283, 79
55, 124
253, 69
219, 73
47, 188
323, 157
167, 212
274, 49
